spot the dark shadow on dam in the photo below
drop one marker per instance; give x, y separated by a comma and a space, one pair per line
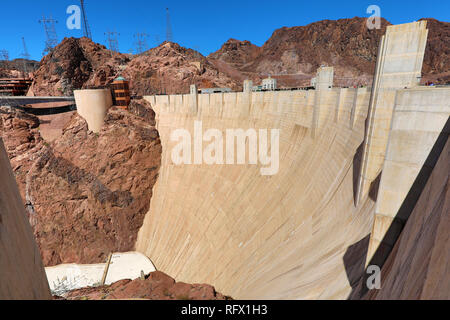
355, 260
358, 251
357, 161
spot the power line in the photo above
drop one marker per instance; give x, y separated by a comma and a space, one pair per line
50, 32
4, 55
25, 55
86, 29
112, 41
169, 33
141, 42
4, 58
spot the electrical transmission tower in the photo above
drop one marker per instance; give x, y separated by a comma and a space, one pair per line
4, 58
169, 34
86, 29
50, 32
156, 38
26, 56
4, 55
141, 42
112, 41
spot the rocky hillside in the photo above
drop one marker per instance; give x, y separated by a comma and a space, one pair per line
234, 57
237, 53
15, 68
436, 66
86, 194
20, 133
346, 44
8, 73
156, 286
76, 64
291, 54
171, 69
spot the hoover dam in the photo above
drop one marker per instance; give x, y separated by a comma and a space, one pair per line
307, 231
362, 180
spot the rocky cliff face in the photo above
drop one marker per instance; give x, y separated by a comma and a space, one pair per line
20, 133
9, 73
171, 69
76, 64
236, 52
86, 194
436, 65
233, 59
346, 44
16, 68
292, 55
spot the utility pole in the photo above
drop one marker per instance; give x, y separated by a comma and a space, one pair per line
112, 41
26, 56
86, 29
169, 33
50, 32
141, 42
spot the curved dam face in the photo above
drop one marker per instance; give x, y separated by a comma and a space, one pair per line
264, 237
352, 165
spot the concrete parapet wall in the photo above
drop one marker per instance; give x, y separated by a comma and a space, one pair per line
344, 105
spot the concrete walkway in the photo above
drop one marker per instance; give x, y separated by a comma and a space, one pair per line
68, 277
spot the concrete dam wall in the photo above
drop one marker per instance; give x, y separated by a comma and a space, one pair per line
352, 165
254, 236
296, 234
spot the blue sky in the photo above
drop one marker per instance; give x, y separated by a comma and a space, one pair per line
202, 25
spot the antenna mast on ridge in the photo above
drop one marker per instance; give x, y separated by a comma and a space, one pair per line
86, 29
169, 34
